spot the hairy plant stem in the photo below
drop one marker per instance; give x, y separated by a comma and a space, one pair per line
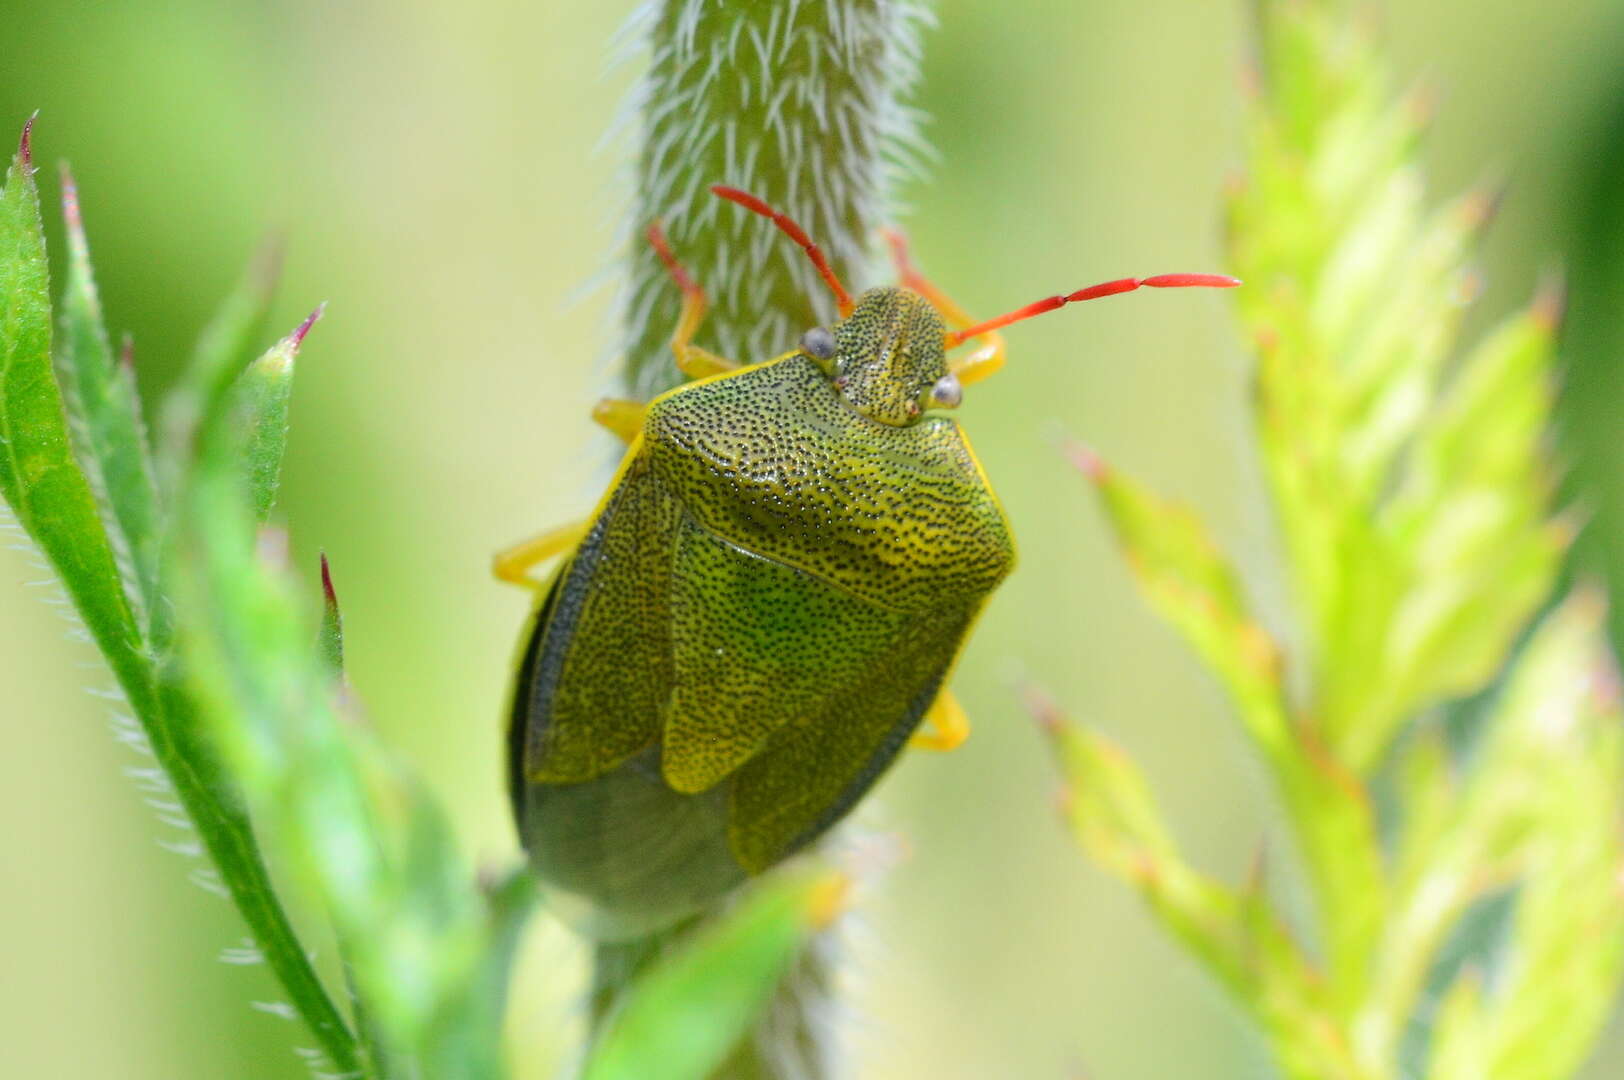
795, 102
798, 103
228, 837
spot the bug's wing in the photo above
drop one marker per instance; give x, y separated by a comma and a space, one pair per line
519, 708
757, 645
640, 853
602, 671
811, 773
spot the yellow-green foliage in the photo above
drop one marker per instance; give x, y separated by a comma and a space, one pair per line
235, 694
1413, 493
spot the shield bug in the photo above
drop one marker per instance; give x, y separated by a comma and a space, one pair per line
765, 606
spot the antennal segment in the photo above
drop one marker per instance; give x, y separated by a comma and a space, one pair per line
1094, 292
794, 232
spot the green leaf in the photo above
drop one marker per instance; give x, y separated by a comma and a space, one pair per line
330, 639
226, 347
1471, 512
39, 477
1397, 331
1108, 805
247, 643
1461, 1036
1538, 810
1427, 788
52, 499
1414, 589
360, 838
247, 682
215, 806
511, 899
1237, 935
105, 419
1190, 584
680, 1020
1412, 487
262, 393
1558, 749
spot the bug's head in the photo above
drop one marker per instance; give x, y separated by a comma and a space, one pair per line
888, 358
888, 354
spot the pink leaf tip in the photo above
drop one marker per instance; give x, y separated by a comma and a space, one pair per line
266, 267
1482, 206
329, 595
271, 545
298, 336
25, 144
1086, 460
1065, 801
70, 202
1257, 873
1550, 301
1042, 708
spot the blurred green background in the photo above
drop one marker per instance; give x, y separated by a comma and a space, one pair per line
438, 173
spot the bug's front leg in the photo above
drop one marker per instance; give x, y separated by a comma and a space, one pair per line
625, 417
989, 354
514, 564
692, 361
947, 725
622, 416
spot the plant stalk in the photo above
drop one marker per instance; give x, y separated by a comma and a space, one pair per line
798, 103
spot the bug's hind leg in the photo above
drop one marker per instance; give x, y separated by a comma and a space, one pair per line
988, 356
947, 725
692, 361
514, 564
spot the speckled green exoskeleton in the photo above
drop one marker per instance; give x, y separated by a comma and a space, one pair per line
765, 606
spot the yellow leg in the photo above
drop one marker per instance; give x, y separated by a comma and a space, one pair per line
623, 417
947, 724
974, 366
692, 361
514, 564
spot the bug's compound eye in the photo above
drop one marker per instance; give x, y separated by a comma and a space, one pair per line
819, 343
948, 393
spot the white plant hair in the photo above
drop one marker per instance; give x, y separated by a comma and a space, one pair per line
798, 102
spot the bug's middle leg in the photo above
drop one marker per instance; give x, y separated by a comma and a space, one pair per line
514, 564
692, 361
988, 357
947, 725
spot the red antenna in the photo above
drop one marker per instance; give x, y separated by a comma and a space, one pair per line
1094, 292
795, 233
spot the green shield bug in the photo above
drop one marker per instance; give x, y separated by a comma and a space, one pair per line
765, 605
